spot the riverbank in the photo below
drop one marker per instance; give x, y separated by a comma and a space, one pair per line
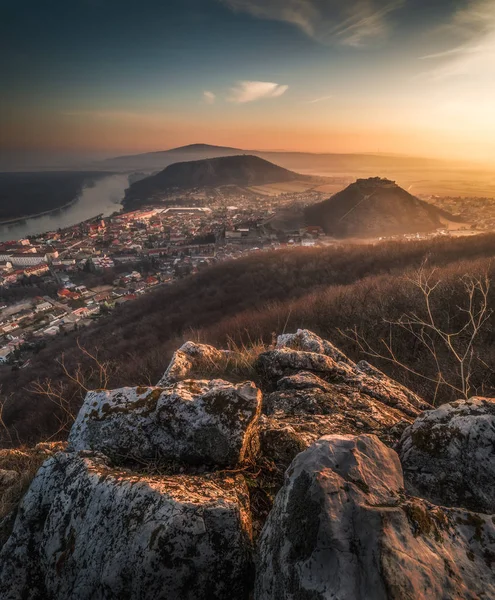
38, 215
104, 197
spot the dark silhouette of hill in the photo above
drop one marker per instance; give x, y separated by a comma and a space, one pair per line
375, 207
248, 299
307, 161
240, 171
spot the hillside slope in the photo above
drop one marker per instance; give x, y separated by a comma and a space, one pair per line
374, 207
242, 171
246, 300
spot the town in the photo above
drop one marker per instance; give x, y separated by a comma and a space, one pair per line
65, 280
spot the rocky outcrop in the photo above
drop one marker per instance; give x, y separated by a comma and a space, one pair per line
309, 342
193, 422
192, 360
86, 531
160, 489
314, 389
448, 454
342, 528
331, 367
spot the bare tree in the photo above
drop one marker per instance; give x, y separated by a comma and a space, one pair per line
459, 344
67, 393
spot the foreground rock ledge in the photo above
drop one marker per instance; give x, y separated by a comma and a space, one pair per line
342, 528
193, 422
87, 532
448, 454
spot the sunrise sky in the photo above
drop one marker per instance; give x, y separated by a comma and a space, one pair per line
413, 77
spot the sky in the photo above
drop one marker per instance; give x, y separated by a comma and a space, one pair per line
106, 77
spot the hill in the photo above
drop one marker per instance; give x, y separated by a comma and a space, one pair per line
243, 171
152, 161
307, 161
247, 300
375, 207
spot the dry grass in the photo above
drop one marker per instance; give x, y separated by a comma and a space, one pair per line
25, 462
238, 362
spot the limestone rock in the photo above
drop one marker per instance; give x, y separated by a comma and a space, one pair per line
191, 360
315, 407
310, 342
85, 531
194, 422
448, 454
285, 365
276, 364
280, 443
342, 528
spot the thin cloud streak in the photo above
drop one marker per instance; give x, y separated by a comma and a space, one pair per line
250, 91
316, 100
352, 23
209, 97
474, 55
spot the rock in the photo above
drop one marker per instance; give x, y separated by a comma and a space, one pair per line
314, 407
303, 381
192, 422
342, 528
448, 454
85, 531
280, 443
376, 384
8, 478
280, 367
276, 364
190, 361
310, 342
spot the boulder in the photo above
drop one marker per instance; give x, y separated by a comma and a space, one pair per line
310, 342
276, 364
314, 407
192, 360
86, 531
448, 454
279, 367
280, 443
192, 422
342, 528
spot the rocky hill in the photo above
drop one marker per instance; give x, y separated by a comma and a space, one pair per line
243, 171
375, 207
201, 488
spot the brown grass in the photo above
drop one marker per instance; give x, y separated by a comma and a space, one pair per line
25, 462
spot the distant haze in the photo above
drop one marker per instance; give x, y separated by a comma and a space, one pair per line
105, 78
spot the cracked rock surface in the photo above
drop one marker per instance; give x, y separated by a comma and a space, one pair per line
341, 527
448, 454
86, 531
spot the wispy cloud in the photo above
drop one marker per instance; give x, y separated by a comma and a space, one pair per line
209, 97
249, 91
322, 99
474, 54
351, 22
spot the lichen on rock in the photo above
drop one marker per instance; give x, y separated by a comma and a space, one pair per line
87, 531
448, 454
341, 527
194, 422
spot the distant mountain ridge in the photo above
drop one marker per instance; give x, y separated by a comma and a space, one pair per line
243, 171
310, 162
375, 207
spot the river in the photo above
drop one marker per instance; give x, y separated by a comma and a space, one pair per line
104, 197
